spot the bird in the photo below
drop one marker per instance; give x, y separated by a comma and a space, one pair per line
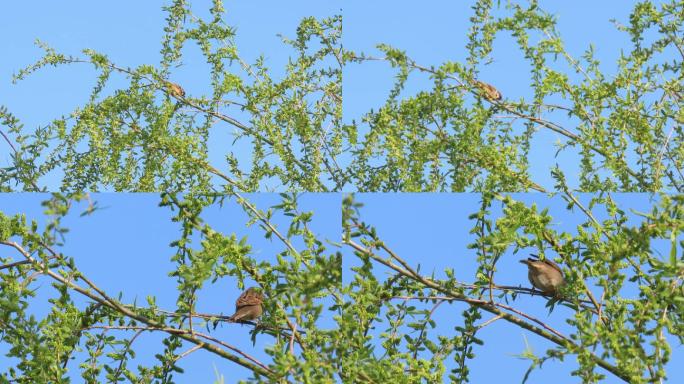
249, 305
175, 90
544, 275
490, 92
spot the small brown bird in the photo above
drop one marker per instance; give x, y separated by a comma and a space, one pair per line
249, 305
490, 92
175, 90
544, 275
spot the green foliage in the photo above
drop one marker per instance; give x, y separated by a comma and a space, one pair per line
301, 286
625, 299
624, 130
145, 138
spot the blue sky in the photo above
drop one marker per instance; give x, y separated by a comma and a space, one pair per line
129, 238
434, 31
131, 38
432, 231
124, 248
431, 31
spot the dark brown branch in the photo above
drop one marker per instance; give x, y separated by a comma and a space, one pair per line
563, 342
179, 331
102, 298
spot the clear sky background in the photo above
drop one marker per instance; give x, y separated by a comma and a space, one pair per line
432, 32
134, 231
124, 248
130, 33
432, 231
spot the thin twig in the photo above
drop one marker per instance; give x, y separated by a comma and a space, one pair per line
115, 376
454, 295
8, 141
179, 331
102, 298
292, 339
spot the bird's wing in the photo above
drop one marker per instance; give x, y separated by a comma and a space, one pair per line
248, 297
553, 265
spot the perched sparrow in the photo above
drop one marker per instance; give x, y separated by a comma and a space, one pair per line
248, 305
544, 275
175, 90
490, 92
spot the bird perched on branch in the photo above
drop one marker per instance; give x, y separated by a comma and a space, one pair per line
175, 90
544, 275
249, 305
490, 92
